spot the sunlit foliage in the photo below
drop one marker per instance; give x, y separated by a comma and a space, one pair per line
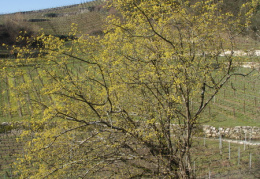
127, 104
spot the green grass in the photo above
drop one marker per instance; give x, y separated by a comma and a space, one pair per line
251, 59
9, 147
228, 109
211, 158
205, 157
237, 104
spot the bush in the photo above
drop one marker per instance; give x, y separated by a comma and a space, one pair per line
96, 33
51, 15
255, 26
38, 20
13, 27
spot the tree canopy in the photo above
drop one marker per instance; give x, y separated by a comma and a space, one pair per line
126, 104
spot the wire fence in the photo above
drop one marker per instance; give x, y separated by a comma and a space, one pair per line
212, 158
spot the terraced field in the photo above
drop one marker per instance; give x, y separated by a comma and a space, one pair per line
57, 21
9, 148
210, 160
237, 104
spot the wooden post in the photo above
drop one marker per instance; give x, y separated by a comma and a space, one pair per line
229, 150
238, 158
28, 98
245, 143
19, 105
194, 167
8, 96
244, 106
220, 142
250, 138
250, 160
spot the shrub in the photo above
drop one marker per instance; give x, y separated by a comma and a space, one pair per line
51, 15
38, 20
14, 26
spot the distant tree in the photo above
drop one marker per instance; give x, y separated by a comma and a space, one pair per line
255, 26
91, 8
51, 14
14, 26
37, 20
127, 104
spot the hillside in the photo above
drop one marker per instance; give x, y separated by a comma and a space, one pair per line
57, 21
130, 103
90, 18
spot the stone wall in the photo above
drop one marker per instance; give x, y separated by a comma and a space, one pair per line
238, 132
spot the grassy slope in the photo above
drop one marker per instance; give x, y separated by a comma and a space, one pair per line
208, 157
237, 104
79, 14
221, 112
228, 109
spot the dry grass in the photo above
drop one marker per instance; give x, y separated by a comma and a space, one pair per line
80, 14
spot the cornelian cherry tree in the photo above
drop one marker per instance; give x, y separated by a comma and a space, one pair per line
126, 104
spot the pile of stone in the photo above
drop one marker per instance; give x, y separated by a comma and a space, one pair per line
238, 132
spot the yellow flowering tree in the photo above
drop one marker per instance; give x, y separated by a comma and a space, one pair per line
127, 104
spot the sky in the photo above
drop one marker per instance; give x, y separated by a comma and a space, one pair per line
11, 6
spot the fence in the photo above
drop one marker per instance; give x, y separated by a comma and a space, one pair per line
212, 158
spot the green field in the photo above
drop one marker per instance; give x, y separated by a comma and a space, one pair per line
237, 104
220, 163
24, 93
209, 158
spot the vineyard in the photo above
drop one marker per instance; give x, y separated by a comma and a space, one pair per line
213, 159
9, 149
24, 88
237, 104
57, 21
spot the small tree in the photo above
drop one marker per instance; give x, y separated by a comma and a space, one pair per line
127, 104
51, 14
16, 25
